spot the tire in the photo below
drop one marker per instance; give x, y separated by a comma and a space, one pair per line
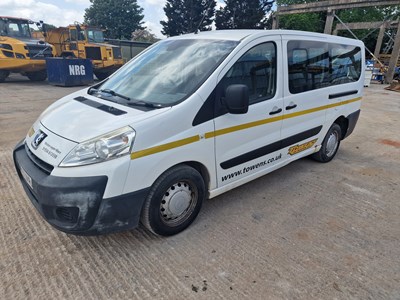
3, 75
37, 76
330, 145
102, 75
174, 201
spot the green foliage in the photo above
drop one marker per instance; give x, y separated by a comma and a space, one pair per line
313, 22
118, 17
144, 35
49, 26
186, 16
306, 22
243, 14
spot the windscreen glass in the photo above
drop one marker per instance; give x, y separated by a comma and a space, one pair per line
15, 28
95, 36
169, 71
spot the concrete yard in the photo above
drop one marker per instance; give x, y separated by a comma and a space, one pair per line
306, 231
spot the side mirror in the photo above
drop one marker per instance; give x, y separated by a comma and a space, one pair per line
237, 99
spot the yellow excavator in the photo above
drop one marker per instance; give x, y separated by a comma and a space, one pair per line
20, 52
83, 41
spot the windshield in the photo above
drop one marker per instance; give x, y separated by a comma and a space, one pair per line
15, 28
95, 35
169, 71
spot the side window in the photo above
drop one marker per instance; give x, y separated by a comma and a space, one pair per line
346, 64
73, 34
308, 66
90, 35
256, 69
314, 65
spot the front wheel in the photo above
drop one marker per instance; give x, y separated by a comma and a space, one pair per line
37, 76
330, 145
174, 201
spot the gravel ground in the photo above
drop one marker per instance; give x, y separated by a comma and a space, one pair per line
306, 231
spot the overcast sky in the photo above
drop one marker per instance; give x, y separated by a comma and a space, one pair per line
64, 12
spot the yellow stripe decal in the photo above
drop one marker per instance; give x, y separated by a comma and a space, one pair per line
274, 119
165, 147
241, 127
311, 110
227, 130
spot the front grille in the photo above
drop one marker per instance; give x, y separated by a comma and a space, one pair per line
93, 53
39, 52
117, 53
45, 167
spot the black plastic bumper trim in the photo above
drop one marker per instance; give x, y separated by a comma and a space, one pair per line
353, 118
233, 162
52, 194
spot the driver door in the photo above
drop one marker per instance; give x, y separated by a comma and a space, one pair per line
249, 143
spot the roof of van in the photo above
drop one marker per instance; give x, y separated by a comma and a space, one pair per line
240, 34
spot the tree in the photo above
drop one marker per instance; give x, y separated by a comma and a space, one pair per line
119, 18
247, 14
186, 16
144, 35
314, 22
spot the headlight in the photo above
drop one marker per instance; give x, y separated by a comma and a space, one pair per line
111, 145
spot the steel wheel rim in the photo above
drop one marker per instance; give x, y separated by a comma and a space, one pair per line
178, 203
332, 144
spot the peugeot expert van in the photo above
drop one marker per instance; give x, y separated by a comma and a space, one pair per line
188, 119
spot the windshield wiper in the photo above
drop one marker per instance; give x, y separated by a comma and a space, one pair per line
107, 91
145, 104
93, 90
113, 93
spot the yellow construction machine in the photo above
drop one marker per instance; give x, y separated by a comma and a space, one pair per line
20, 52
83, 41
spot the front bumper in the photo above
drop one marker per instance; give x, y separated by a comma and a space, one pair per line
23, 65
75, 204
352, 118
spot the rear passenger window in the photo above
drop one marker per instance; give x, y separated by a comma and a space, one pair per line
346, 64
256, 69
315, 65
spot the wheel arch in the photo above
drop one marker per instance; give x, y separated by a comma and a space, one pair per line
343, 122
199, 167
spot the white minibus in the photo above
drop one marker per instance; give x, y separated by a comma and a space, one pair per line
189, 118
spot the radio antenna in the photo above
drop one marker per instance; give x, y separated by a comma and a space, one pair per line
196, 31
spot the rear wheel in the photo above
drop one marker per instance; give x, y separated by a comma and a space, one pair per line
330, 145
37, 76
3, 75
174, 201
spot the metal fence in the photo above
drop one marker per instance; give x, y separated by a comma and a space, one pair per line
129, 48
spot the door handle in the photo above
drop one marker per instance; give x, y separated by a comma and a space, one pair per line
275, 112
338, 95
291, 106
